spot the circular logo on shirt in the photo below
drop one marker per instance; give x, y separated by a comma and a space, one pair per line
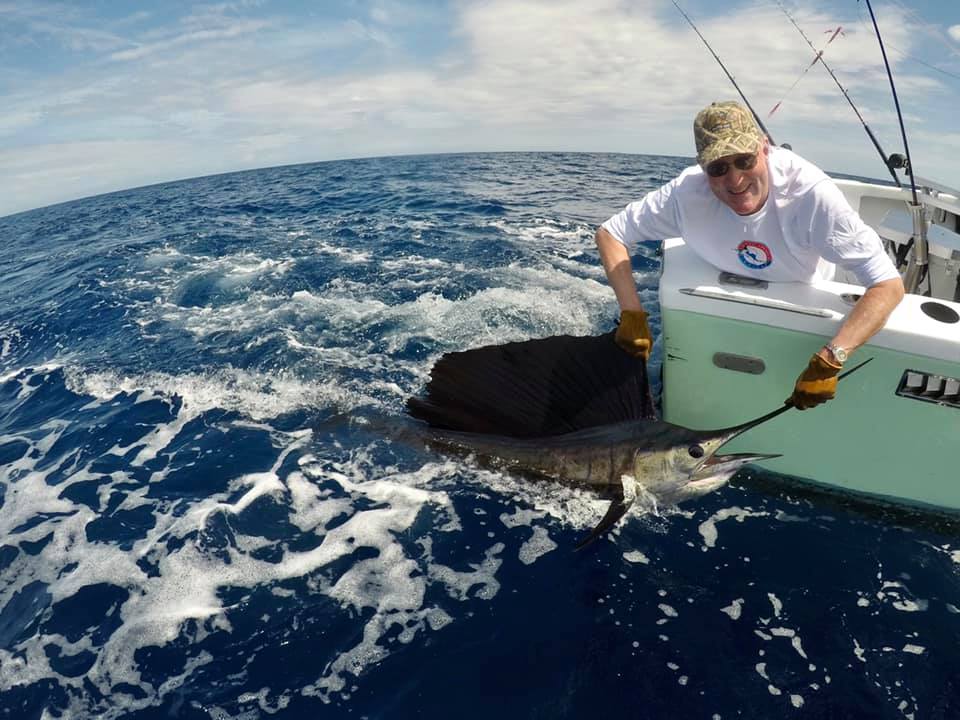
754, 255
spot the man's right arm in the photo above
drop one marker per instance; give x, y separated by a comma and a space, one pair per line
633, 332
655, 217
651, 219
616, 263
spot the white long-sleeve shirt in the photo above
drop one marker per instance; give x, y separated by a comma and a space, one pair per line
805, 227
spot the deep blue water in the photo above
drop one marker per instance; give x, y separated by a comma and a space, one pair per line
201, 519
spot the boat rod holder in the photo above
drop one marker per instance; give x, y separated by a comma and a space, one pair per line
917, 265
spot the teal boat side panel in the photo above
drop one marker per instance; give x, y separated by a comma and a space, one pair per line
866, 440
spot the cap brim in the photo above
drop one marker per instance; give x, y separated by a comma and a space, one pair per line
721, 149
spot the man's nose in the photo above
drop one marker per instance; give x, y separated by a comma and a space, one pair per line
735, 177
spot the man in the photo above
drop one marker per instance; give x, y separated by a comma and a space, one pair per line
758, 211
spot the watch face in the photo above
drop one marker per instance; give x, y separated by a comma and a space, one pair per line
839, 353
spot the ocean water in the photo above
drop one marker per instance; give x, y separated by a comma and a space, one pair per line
203, 515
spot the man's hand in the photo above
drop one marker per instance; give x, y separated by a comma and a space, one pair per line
816, 384
633, 334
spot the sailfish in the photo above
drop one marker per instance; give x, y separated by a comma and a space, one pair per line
577, 410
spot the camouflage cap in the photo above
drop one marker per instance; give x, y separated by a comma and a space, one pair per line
725, 128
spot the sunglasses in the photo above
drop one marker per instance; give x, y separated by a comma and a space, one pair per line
719, 168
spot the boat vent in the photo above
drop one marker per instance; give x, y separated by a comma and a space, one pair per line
928, 387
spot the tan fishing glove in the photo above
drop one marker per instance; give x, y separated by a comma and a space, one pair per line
816, 384
633, 334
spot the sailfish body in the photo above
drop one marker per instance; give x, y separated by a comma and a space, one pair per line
670, 462
574, 409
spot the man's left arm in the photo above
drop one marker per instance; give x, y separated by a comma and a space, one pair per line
841, 236
868, 315
818, 383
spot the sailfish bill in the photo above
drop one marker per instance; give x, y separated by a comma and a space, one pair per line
577, 410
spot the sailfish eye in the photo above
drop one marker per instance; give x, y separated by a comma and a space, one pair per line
695, 451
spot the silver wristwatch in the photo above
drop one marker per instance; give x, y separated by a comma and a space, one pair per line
838, 353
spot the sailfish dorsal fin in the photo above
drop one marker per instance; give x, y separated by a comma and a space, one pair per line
536, 388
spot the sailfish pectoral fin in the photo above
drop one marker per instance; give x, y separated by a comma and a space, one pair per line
618, 508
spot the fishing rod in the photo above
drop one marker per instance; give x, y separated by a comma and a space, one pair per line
796, 82
819, 56
788, 405
896, 102
724, 67
917, 268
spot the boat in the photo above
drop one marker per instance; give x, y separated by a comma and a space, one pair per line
733, 347
893, 430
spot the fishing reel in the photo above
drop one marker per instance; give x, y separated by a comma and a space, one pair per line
896, 161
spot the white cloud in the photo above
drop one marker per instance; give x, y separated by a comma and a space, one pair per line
220, 90
86, 168
232, 30
11, 122
62, 23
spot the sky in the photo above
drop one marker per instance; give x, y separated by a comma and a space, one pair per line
101, 95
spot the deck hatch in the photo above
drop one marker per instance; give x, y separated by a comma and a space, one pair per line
930, 387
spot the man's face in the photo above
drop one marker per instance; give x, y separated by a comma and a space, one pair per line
743, 191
